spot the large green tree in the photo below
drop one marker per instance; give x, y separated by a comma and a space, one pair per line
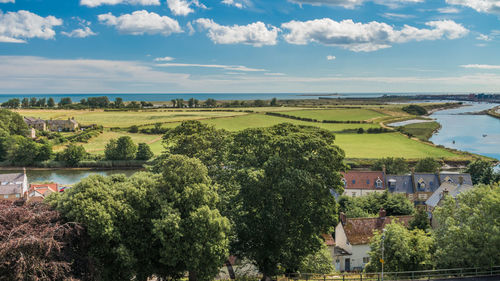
123, 148
144, 152
73, 154
468, 229
151, 224
12, 122
404, 250
427, 165
285, 173
482, 172
395, 166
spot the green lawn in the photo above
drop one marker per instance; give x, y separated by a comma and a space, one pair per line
124, 119
97, 145
372, 146
340, 114
421, 131
262, 120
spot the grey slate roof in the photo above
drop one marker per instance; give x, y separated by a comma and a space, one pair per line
453, 190
11, 178
400, 184
456, 178
426, 182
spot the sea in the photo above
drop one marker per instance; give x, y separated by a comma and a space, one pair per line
155, 97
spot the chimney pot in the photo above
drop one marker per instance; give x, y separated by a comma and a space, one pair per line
382, 213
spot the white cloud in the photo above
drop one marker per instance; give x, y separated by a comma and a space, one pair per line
95, 3
350, 4
80, 32
225, 67
448, 10
274, 74
484, 37
165, 59
183, 7
7, 1
16, 27
366, 37
397, 16
240, 4
483, 6
141, 22
331, 57
256, 34
481, 66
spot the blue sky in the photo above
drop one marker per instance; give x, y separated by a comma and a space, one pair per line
249, 46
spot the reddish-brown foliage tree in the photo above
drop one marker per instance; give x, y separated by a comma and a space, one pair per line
37, 244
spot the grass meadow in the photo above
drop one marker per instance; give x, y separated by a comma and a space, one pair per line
340, 114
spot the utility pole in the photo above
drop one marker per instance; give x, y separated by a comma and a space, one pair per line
382, 261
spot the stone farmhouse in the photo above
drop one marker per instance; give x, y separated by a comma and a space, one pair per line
359, 183
52, 125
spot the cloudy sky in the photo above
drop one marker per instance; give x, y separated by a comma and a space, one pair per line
249, 46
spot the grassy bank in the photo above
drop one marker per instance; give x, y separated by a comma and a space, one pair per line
422, 131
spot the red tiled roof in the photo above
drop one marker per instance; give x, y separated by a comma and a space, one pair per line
363, 179
43, 188
328, 239
360, 230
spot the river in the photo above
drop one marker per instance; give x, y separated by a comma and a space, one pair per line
479, 134
65, 176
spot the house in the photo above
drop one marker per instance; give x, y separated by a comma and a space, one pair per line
13, 186
353, 236
38, 192
418, 187
359, 183
446, 188
36, 123
62, 125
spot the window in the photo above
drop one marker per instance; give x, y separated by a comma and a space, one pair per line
353, 181
6, 196
18, 195
422, 196
368, 182
410, 196
366, 259
379, 183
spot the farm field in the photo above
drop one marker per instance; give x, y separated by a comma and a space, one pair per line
339, 114
372, 146
96, 145
124, 119
262, 120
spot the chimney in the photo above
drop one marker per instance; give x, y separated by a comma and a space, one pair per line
460, 180
24, 171
382, 213
343, 218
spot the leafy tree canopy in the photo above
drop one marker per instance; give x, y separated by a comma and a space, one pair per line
369, 205
427, 165
394, 166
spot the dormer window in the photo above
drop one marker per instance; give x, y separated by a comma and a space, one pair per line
379, 183
448, 179
421, 184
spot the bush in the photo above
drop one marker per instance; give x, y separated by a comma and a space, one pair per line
414, 109
133, 129
72, 155
144, 152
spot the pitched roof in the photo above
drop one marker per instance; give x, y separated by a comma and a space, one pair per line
363, 179
33, 120
426, 182
359, 231
328, 239
456, 178
401, 184
11, 178
453, 190
43, 189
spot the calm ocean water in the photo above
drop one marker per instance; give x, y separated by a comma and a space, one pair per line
199, 96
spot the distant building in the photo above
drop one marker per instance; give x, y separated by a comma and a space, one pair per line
52, 125
446, 188
38, 192
353, 236
359, 183
62, 125
36, 123
13, 186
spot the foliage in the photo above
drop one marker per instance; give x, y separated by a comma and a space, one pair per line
369, 205
420, 220
73, 154
12, 103
37, 244
133, 129
415, 109
422, 131
161, 224
404, 250
122, 149
285, 173
395, 166
144, 152
427, 165
65, 102
12, 123
468, 229
21, 151
51, 103
482, 172
320, 262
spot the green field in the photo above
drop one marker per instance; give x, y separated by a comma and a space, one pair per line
372, 146
339, 114
96, 145
421, 131
124, 119
262, 120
